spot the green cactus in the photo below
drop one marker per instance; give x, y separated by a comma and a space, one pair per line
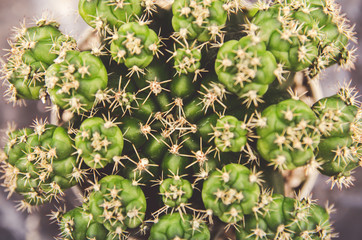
109, 210
118, 205
33, 50
73, 84
340, 125
201, 20
78, 224
302, 35
286, 218
99, 142
177, 226
246, 68
231, 193
230, 134
106, 15
175, 191
178, 110
288, 136
187, 58
40, 164
135, 45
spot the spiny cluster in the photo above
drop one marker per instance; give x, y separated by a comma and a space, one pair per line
135, 45
176, 226
113, 206
230, 134
179, 106
202, 20
176, 192
39, 164
32, 51
288, 135
105, 16
223, 194
340, 126
187, 58
73, 84
280, 217
304, 35
246, 68
99, 142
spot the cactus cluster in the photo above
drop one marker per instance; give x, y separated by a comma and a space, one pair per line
340, 126
174, 126
40, 163
281, 217
32, 51
288, 136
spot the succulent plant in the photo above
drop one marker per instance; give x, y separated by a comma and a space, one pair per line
134, 44
288, 135
32, 51
99, 142
79, 224
246, 68
177, 226
113, 206
280, 217
201, 20
184, 121
340, 125
230, 134
294, 32
231, 193
106, 15
40, 163
73, 84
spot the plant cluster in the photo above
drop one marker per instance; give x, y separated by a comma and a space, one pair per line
183, 121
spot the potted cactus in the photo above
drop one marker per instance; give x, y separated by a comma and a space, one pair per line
184, 121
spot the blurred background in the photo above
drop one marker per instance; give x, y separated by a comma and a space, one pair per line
36, 226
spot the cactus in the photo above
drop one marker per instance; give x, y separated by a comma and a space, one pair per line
79, 224
187, 58
135, 45
201, 20
294, 32
73, 84
33, 50
340, 126
113, 206
184, 121
288, 135
230, 134
99, 142
39, 164
177, 226
106, 15
175, 191
280, 217
246, 68
117, 204
231, 193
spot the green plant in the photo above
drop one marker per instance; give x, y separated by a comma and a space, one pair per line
288, 136
340, 126
180, 123
40, 163
32, 51
74, 83
281, 217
